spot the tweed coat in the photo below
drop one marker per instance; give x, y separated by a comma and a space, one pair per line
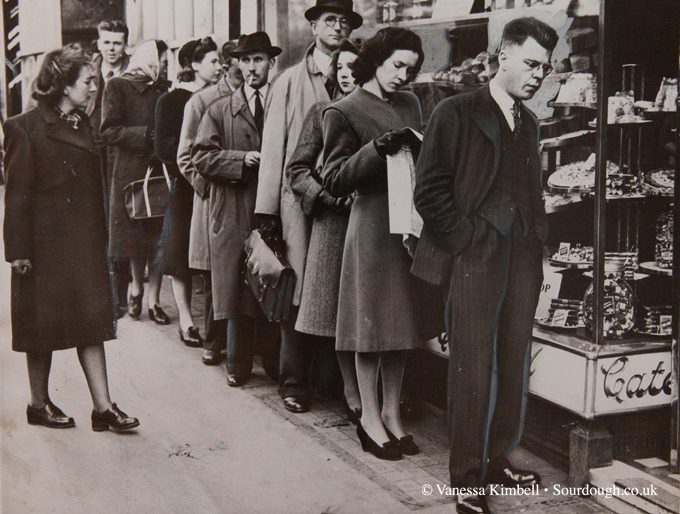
319, 302
378, 307
199, 247
227, 132
292, 95
55, 217
127, 123
451, 184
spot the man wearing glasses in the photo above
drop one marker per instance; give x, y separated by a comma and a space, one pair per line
292, 95
478, 189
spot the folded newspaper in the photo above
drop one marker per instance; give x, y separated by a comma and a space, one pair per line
401, 182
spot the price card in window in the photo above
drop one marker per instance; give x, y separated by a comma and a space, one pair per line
564, 251
559, 318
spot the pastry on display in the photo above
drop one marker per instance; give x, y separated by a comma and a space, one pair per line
667, 96
621, 109
663, 246
619, 306
579, 88
563, 313
619, 184
579, 175
655, 320
573, 254
660, 182
471, 72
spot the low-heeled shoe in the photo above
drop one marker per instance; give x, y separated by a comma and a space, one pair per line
158, 315
134, 306
405, 444
192, 337
295, 404
112, 419
234, 380
211, 357
503, 473
474, 504
388, 451
49, 416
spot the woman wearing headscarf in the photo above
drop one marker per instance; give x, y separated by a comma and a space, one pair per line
319, 302
128, 107
55, 239
199, 67
377, 307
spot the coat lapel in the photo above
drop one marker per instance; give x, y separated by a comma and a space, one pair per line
240, 106
80, 138
486, 119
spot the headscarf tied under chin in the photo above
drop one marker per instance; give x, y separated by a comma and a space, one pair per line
144, 63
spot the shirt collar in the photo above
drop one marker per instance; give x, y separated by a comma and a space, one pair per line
249, 91
503, 100
106, 68
322, 61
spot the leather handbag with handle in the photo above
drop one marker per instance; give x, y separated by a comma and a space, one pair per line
269, 276
148, 198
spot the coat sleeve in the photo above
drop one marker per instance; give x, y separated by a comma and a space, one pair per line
192, 117
273, 153
302, 164
209, 156
347, 165
168, 121
20, 179
435, 178
114, 131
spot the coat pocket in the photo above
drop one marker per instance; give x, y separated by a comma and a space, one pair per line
217, 211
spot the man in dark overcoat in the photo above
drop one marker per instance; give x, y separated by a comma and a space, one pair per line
226, 152
478, 189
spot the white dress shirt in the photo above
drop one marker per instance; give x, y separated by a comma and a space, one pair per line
322, 61
504, 101
250, 96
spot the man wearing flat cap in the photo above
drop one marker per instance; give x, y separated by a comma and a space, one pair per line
226, 152
294, 92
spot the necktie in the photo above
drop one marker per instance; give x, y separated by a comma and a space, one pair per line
109, 76
517, 119
259, 112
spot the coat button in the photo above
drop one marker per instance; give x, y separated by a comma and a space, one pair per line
69, 200
73, 171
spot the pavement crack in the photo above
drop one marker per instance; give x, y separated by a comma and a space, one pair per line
182, 451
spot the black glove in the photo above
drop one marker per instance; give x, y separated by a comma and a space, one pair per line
392, 141
342, 204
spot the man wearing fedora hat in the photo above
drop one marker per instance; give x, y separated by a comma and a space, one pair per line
293, 94
226, 152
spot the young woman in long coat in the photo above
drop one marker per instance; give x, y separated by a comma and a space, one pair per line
319, 301
55, 239
200, 67
127, 126
377, 309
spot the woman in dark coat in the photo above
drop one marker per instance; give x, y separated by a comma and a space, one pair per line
319, 301
200, 66
128, 108
377, 313
55, 239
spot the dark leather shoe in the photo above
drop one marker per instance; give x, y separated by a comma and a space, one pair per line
192, 337
353, 415
474, 504
234, 380
503, 473
49, 416
388, 451
158, 316
405, 444
113, 419
211, 357
134, 306
295, 404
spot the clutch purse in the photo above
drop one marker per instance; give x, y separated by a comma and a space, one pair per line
148, 198
269, 277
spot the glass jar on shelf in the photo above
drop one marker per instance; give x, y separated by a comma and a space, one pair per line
619, 302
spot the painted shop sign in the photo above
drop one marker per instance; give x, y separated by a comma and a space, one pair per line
558, 376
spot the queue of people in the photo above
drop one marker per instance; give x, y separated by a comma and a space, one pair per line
303, 158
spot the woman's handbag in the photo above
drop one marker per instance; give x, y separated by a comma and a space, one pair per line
269, 277
148, 198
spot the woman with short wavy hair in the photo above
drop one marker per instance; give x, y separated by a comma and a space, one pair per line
55, 239
199, 67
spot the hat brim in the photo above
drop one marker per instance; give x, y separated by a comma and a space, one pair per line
314, 12
272, 51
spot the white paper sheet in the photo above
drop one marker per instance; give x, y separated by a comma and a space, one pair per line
401, 181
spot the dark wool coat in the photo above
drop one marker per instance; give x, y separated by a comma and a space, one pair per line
173, 248
378, 304
54, 216
319, 303
127, 122
227, 132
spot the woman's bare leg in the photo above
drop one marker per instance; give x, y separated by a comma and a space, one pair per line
93, 361
39, 365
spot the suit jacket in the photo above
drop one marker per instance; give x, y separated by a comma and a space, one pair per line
94, 107
227, 132
458, 163
293, 93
